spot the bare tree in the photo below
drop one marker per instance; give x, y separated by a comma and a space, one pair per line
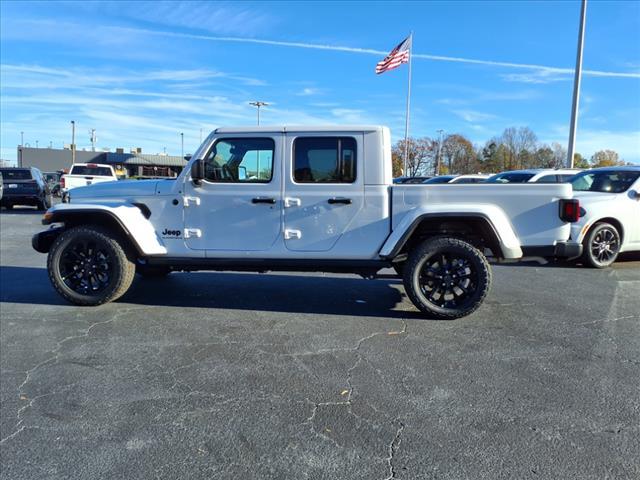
459, 154
606, 158
421, 155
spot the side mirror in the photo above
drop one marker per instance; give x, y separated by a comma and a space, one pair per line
635, 194
197, 171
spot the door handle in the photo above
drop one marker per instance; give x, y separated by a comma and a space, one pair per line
345, 201
271, 201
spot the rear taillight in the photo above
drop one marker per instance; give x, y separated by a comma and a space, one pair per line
62, 182
570, 210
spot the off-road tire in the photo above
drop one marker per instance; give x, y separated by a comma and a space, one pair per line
147, 271
591, 258
121, 274
476, 263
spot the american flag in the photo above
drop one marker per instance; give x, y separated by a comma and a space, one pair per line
397, 57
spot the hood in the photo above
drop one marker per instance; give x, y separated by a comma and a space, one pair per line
121, 188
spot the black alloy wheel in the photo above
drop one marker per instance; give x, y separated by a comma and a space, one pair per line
85, 266
447, 278
88, 265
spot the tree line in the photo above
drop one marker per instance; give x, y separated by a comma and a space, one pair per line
516, 148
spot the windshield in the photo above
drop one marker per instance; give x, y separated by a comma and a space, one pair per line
15, 174
510, 178
88, 170
607, 182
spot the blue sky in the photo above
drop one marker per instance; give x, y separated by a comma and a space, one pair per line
142, 72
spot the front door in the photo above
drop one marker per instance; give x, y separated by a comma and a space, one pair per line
323, 190
237, 207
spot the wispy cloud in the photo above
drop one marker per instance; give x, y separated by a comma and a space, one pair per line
309, 91
473, 116
338, 48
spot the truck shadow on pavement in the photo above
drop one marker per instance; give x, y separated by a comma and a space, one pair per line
305, 294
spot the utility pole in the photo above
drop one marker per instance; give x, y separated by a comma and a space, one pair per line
576, 87
439, 153
92, 137
73, 142
182, 144
36, 143
259, 104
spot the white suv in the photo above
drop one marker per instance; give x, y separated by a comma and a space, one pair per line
535, 175
609, 215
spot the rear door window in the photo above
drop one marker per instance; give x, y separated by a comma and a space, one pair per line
8, 175
88, 170
548, 179
324, 160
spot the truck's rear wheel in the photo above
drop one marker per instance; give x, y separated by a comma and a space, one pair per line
88, 266
446, 278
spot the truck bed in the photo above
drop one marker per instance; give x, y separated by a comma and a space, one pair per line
533, 209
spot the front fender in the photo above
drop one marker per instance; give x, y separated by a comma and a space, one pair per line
129, 218
493, 215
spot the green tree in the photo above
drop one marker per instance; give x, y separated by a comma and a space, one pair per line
579, 161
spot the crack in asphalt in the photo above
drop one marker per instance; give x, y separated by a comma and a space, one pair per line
52, 360
393, 449
351, 389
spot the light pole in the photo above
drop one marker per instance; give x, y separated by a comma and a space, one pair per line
73, 142
576, 87
92, 137
259, 104
439, 154
36, 143
21, 139
182, 144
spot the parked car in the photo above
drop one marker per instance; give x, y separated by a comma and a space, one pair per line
400, 180
458, 179
314, 203
53, 179
83, 174
535, 175
610, 213
1, 186
439, 179
24, 186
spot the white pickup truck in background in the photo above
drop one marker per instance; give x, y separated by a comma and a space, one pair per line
303, 199
83, 174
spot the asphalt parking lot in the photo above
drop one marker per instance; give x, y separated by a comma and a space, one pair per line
290, 376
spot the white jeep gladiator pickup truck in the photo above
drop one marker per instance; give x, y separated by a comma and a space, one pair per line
83, 174
302, 199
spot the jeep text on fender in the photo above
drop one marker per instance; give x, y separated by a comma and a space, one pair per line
302, 199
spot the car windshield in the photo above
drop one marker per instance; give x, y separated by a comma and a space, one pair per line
15, 174
91, 170
608, 182
510, 178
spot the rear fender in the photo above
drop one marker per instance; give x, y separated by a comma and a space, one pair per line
128, 219
492, 215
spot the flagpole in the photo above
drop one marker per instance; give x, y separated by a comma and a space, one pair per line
406, 125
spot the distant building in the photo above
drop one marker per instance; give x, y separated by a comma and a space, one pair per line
135, 164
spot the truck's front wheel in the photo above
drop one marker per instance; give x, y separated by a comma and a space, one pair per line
446, 278
88, 266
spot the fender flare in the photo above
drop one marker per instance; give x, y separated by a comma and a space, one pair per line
130, 220
492, 216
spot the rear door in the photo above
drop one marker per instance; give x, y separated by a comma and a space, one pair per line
323, 189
